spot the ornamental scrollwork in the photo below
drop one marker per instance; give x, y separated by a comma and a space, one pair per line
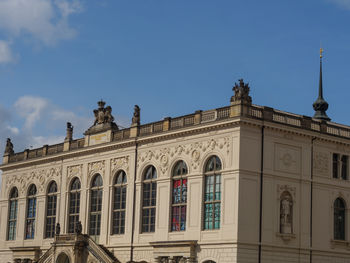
39, 177
194, 151
96, 167
120, 163
75, 170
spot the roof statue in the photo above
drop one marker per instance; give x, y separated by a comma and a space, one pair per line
320, 105
104, 119
136, 117
241, 93
9, 147
69, 133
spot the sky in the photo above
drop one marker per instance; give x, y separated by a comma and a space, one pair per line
171, 57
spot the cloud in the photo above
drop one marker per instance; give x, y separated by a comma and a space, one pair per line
44, 20
30, 108
341, 3
41, 21
5, 53
39, 122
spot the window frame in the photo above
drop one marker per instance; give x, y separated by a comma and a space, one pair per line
76, 192
340, 166
215, 173
98, 212
151, 209
13, 199
50, 219
30, 221
122, 186
179, 177
336, 210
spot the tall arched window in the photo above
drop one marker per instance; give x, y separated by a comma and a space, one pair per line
51, 210
179, 197
339, 219
212, 194
12, 217
119, 202
95, 205
286, 213
74, 204
31, 211
149, 195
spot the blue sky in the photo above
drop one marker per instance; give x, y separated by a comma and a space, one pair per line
171, 57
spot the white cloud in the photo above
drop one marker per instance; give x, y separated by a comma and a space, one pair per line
39, 117
341, 3
31, 108
45, 20
5, 53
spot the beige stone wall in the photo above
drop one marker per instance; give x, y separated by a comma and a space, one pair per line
287, 167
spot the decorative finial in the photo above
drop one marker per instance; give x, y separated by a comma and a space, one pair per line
320, 105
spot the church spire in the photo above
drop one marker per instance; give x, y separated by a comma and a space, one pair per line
320, 105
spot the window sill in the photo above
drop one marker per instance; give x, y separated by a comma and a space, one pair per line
286, 237
340, 244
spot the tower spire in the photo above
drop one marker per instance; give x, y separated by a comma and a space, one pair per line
320, 105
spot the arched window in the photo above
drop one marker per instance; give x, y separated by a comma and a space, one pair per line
51, 204
286, 213
31, 211
12, 217
95, 205
339, 219
212, 194
209, 261
74, 204
179, 197
119, 202
149, 195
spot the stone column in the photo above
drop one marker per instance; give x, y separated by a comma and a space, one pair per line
172, 260
157, 259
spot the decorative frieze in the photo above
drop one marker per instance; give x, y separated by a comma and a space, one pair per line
39, 177
321, 163
193, 151
96, 167
75, 170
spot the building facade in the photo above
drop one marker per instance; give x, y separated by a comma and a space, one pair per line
242, 183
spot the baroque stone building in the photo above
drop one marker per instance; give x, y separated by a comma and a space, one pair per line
242, 183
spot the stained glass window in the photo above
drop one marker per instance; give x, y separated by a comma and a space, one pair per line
179, 197
119, 203
31, 211
51, 211
74, 205
149, 200
12, 218
339, 219
95, 206
212, 194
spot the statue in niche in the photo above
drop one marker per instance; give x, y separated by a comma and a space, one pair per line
9, 147
78, 228
58, 229
241, 92
136, 117
286, 213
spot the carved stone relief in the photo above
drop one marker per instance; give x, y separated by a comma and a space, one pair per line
75, 170
96, 167
321, 163
193, 151
39, 177
285, 187
119, 163
287, 158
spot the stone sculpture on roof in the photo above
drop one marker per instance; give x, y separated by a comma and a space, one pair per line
104, 119
241, 92
9, 147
